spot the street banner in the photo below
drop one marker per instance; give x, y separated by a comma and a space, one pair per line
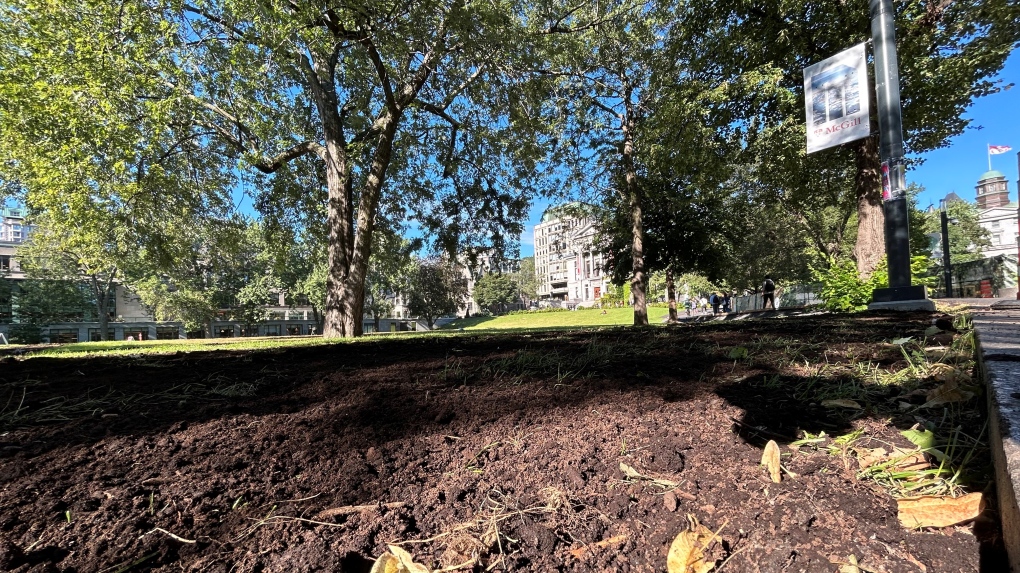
836, 99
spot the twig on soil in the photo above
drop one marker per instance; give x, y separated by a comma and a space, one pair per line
731, 556
297, 500
759, 431
580, 551
122, 567
171, 535
349, 509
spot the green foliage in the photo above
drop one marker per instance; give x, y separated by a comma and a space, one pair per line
494, 291
844, 291
966, 236
527, 279
435, 288
842, 288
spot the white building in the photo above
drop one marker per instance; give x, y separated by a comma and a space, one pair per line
568, 262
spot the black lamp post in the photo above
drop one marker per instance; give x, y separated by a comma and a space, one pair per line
946, 268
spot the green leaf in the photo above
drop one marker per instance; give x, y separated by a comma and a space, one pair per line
923, 439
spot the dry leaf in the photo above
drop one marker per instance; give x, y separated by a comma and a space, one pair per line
868, 457
770, 459
905, 460
947, 393
851, 566
396, 560
841, 403
940, 511
948, 373
687, 552
634, 474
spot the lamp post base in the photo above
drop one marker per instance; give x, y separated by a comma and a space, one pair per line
906, 298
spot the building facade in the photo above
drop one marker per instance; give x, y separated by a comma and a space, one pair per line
568, 262
999, 216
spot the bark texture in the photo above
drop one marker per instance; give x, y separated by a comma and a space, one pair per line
870, 247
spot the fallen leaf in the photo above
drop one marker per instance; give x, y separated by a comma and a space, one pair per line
867, 457
850, 566
938, 511
842, 403
948, 373
902, 341
397, 560
947, 393
901, 459
737, 353
687, 552
634, 474
770, 459
923, 439
932, 330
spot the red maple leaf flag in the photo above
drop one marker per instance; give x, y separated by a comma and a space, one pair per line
997, 149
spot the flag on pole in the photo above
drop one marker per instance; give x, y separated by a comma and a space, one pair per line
997, 149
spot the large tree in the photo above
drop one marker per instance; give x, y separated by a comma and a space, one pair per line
411, 109
947, 51
435, 288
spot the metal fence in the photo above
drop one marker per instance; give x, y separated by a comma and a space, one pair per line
789, 296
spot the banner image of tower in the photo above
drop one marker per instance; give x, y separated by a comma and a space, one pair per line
836, 98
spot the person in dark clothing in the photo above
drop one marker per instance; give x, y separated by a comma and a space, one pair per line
715, 300
768, 293
726, 302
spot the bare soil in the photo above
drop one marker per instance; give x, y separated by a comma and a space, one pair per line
488, 452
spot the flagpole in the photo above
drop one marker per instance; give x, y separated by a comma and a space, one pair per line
988, 150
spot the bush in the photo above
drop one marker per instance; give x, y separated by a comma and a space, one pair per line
844, 291
538, 311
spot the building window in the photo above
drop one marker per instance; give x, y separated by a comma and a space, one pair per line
227, 332
272, 330
167, 332
995, 224
64, 335
5, 262
94, 335
996, 239
294, 329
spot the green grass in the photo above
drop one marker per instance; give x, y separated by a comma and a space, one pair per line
123, 348
585, 318
582, 318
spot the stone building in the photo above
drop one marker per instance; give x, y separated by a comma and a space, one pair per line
568, 262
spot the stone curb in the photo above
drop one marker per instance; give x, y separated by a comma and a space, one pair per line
998, 338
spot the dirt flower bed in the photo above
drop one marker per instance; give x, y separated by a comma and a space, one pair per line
582, 451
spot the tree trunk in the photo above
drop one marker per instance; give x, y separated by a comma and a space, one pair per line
870, 247
348, 251
633, 194
671, 296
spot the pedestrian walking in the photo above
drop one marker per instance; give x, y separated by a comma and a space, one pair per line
768, 293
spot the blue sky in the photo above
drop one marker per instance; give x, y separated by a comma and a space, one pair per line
953, 168
957, 167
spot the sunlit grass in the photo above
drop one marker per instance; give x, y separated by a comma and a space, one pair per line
585, 318
581, 318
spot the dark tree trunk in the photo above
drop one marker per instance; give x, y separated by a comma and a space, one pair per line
633, 195
671, 296
870, 247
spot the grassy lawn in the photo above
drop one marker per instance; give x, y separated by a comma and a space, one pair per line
586, 317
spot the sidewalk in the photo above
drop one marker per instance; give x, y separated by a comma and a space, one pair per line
998, 332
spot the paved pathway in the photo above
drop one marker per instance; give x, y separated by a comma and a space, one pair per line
998, 330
